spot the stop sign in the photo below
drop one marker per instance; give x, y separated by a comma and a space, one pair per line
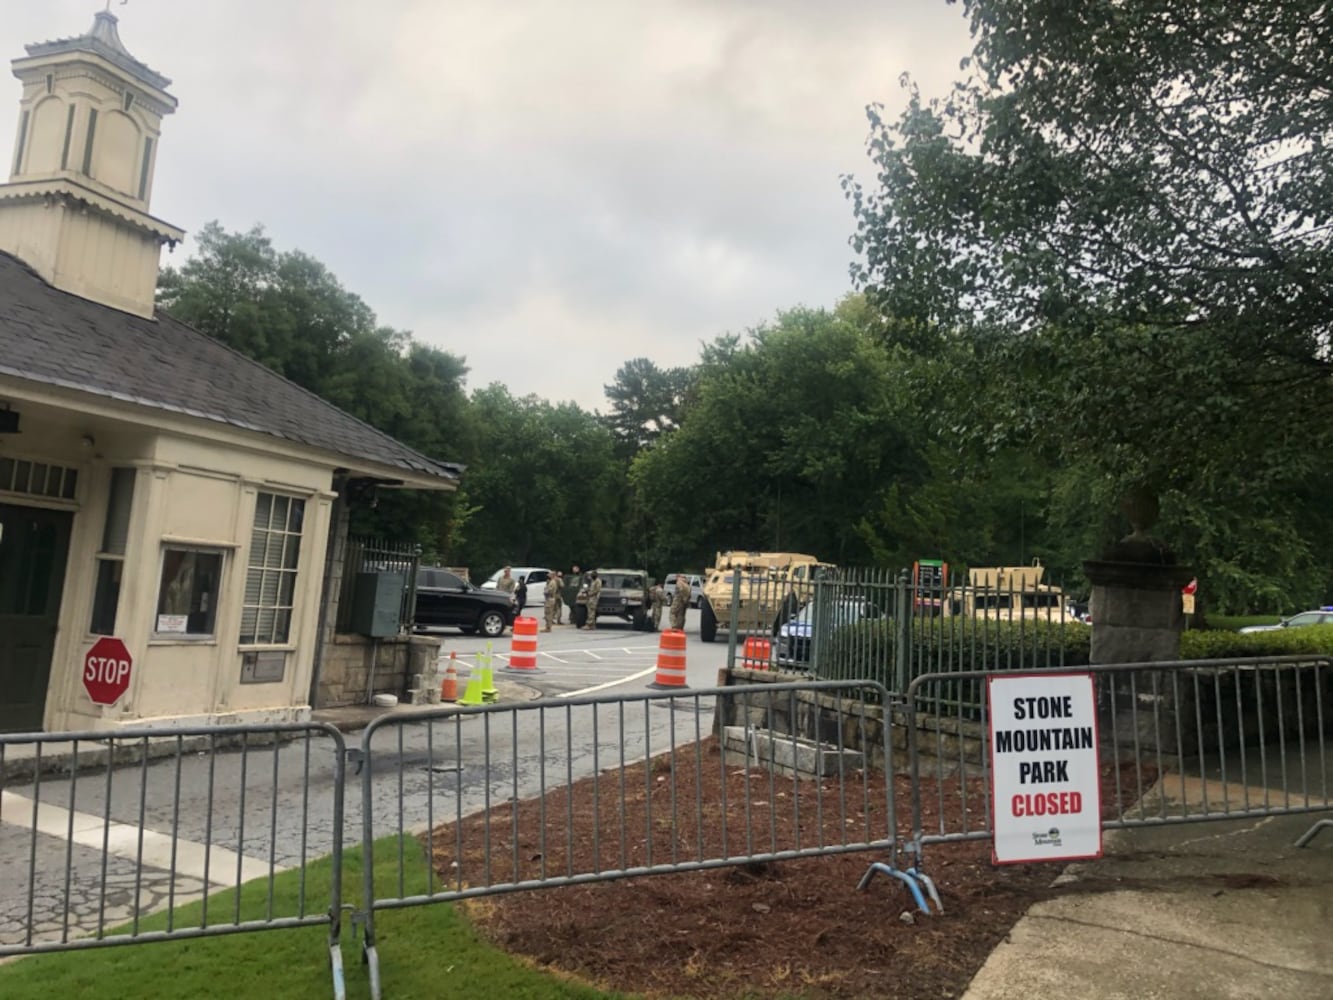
106, 670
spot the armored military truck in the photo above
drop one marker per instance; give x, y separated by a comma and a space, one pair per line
624, 595
1007, 592
769, 588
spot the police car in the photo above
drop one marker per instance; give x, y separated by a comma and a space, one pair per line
1319, 616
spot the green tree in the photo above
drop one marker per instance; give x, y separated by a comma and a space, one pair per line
1128, 201
1116, 233
646, 402
289, 312
545, 478
792, 434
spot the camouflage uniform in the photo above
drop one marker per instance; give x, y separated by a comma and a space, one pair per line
559, 597
594, 592
680, 600
552, 595
658, 597
508, 584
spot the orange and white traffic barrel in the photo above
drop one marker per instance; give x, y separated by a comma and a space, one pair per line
523, 649
756, 653
670, 660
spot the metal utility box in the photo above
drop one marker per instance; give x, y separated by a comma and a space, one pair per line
376, 603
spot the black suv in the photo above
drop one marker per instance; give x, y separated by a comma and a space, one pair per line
445, 598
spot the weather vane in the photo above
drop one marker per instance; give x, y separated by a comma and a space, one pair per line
108, 5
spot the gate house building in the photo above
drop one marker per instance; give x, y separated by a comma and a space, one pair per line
154, 484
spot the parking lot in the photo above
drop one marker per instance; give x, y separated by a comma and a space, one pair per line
574, 661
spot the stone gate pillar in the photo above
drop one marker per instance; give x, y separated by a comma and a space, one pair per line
1137, 617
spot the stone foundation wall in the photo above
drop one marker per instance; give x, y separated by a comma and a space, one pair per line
345, 674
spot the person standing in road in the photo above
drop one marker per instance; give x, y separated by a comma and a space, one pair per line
594, 593
552, 595
657, 596
559, 596
521, 595
508, 584
680, 600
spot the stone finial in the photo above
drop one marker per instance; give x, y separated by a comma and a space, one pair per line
1140, 506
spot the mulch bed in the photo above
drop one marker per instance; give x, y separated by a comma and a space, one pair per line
789, 928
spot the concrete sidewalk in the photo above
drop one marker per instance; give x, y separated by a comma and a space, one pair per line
1204, 910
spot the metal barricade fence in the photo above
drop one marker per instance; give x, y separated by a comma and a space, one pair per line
495, 799
148, 834
1180, 742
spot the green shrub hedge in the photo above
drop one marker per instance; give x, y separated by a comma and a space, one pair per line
866, 649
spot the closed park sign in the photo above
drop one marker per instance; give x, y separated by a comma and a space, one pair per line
1045, 787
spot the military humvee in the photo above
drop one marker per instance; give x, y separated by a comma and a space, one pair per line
1005, 592
624, 595
772, 587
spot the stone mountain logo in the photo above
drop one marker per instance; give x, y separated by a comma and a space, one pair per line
1051, 838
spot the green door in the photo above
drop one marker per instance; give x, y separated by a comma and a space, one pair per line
33, 548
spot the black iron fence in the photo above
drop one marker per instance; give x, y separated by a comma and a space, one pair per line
875, 624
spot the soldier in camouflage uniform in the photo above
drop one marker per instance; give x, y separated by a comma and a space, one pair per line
680, 600
658, 598
594, 593
552, 596
559, 597
509, 585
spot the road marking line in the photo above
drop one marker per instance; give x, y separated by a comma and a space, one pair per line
122, 841
608, 684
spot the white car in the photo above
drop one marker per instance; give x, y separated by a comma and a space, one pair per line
534, 576
1319, 616
696, 587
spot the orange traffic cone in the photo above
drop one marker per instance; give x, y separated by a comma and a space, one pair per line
449, 686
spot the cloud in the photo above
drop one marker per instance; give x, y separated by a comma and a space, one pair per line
548, 188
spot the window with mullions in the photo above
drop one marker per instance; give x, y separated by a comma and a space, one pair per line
270, 581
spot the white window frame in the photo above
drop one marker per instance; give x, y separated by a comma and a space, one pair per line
219, 585
265, 595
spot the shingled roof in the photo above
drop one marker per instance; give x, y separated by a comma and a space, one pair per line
55, 338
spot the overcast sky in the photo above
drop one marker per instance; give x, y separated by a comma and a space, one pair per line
546, 187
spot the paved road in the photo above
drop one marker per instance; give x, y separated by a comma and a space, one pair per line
614, 657
91, 844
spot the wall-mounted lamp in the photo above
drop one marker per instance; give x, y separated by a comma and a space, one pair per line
88, 441
9, 420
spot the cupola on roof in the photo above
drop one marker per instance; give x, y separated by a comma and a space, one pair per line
78, 201
103, 39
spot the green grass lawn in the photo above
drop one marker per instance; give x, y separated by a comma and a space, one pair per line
426, 952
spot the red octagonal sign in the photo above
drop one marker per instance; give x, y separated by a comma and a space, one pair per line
106, 670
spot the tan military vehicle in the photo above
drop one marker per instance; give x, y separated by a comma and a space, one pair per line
772, 587
1007, 592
